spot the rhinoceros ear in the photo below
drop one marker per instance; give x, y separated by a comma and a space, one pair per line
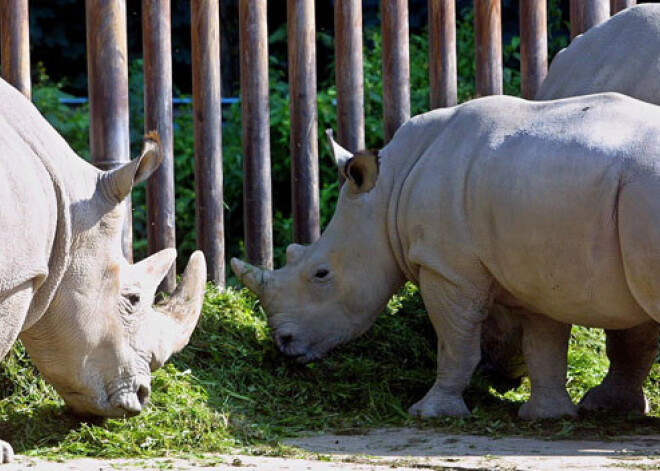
120, 181
340, 154
362, 171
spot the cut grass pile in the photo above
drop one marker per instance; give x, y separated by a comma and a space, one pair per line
231, 389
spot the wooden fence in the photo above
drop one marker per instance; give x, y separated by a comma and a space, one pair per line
109, 113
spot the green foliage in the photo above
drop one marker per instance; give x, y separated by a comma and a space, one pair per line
230, 388
71, 121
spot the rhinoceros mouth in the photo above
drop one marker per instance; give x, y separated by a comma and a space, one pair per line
295, 351
84, 405
123, 400
306, 358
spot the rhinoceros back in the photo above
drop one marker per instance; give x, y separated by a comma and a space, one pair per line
607, 56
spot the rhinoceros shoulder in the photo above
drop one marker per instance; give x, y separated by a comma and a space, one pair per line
35, 217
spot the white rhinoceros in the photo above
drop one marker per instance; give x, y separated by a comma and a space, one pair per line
619, 55
83, 312
543, 207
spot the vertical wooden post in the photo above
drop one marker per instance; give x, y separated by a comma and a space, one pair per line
533, 45
107, 71
575, 14
617, 5
15, 54
488, 44
157, 50
205, 28
586, 14
349, 74
304, 121
396, 65
442, 53
257, 196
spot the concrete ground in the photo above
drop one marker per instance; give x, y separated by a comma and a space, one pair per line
403, 449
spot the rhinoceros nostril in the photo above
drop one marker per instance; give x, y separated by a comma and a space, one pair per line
283, 341
143, 393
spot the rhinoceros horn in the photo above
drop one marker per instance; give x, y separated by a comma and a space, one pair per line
176, 318
251, 276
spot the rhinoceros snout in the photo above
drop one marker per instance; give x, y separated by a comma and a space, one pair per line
291, 346
131, 403
284, 342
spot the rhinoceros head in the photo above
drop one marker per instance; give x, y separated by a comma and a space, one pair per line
101, 337
332, 291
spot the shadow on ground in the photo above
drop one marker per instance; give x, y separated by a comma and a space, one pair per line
41, 426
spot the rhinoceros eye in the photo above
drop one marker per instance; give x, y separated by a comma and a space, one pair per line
321, 274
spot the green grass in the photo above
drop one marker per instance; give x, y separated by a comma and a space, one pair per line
230, 389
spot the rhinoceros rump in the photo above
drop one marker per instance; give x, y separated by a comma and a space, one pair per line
620, 55
543, 207
83, 312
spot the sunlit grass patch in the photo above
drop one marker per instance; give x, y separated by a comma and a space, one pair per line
230, 389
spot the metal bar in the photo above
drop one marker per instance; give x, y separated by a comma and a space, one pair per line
304, 121
157, 50
396, 65
257, 198
107, 71
175, 101
349, 74
442, 53
15, 29
205, 28
488, 44
533, 45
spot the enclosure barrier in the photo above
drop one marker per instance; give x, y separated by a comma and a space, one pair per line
108, 95
157, 56
107, 71
304, 130
205, 26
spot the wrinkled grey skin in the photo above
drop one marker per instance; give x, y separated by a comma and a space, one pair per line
83, 312
541, 207
620, 55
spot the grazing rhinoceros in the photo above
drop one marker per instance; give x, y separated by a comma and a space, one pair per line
620, 55
543, 207
83, 312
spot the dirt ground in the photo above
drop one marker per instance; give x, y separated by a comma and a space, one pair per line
404, 449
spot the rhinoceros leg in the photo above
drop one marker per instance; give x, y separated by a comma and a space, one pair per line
631, 353
457, 319
13, 309
6, 452
14, 306
502, 360
545, 346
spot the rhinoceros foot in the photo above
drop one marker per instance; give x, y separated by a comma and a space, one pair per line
6, 452
548, 406
616, 399
438, 403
